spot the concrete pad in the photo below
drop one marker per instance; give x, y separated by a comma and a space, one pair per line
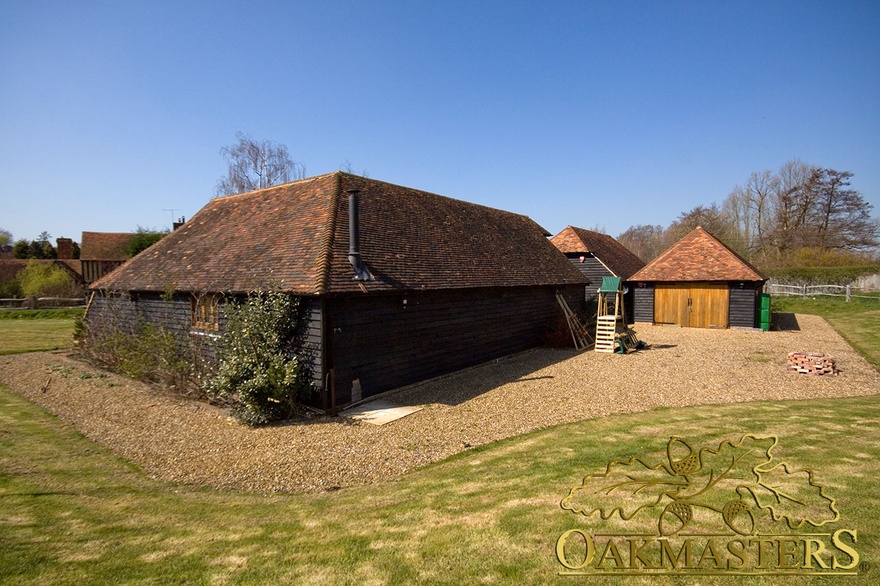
380, 412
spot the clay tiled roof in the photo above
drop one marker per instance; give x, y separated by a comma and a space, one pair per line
295, 236
611, 253
104, 245
699, 256
9, 268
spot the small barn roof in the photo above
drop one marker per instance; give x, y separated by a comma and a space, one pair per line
614, 255
295, 237
104, 245
699, 256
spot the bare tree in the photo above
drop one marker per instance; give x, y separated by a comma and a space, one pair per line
841, 217
347, 168
645, 241
255, 165
801, 207
747, 210
792, 204
709, 217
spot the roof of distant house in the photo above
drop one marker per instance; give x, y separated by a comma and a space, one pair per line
10, 267
614, 255
295, 237
104, 245
699, 256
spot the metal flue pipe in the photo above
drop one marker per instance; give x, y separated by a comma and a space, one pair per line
354, 237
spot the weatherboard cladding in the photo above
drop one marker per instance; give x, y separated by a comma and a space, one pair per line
295, 237
387, 341
643, 304
743, 307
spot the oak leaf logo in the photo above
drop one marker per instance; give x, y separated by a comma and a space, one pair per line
741, 481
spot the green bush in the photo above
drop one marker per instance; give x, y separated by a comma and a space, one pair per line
143, 239
151, 354
45, 279
10, 289
259, 374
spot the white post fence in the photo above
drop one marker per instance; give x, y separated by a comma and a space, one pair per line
849, 292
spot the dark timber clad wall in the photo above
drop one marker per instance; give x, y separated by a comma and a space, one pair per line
592, 269
387, 344
313, 315
377, 338
743, 306
643, 300
126, 313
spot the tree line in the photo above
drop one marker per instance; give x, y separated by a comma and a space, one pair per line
801, 215
40, 248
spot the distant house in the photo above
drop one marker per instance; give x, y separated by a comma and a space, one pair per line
700, 283
11, 267
73, 266
398, 285
598, 255
101, 252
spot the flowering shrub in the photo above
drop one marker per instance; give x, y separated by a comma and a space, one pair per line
259, 372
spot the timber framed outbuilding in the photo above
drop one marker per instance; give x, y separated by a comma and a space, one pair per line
597, 256
101, 252
700, 283
397, 285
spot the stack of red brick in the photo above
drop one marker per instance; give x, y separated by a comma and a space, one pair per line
809, 363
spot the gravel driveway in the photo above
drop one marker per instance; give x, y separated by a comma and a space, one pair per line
191, 442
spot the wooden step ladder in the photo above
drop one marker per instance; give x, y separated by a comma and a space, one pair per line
580, 335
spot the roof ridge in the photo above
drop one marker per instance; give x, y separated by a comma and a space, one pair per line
738, 256
326, 253
276, 186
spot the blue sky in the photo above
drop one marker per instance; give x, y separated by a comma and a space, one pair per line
595, 114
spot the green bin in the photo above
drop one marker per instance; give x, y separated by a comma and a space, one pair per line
764, 311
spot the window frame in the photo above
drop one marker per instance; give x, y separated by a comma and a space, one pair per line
205, 312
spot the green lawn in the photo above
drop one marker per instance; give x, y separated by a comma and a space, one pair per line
29, 335
36, 330
73, 513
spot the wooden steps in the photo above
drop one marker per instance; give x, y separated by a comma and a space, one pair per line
606, 330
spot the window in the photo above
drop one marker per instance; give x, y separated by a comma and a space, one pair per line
206, 312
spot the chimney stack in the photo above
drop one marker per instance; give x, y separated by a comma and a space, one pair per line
65, 248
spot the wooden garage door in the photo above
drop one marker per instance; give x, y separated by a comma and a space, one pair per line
695, 305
